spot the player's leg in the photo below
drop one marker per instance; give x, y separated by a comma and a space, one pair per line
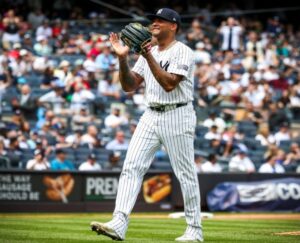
140, 154
177, 133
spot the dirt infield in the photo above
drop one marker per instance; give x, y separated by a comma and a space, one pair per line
288, 233
235, 216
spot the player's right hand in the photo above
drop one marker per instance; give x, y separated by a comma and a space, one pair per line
121, 50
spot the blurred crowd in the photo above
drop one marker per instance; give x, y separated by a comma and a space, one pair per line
62, 107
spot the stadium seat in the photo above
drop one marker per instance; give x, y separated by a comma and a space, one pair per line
201, 131
4, 162
161, 165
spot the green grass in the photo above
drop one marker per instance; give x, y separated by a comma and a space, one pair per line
75, 228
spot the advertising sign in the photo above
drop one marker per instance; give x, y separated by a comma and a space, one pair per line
155, 188
18, 187
268, 195
101, 188
39, 187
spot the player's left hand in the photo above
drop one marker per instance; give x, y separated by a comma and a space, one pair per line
146, 49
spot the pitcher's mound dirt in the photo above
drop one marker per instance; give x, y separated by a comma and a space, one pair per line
283, 216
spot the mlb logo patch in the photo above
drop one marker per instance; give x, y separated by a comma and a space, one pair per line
182, 66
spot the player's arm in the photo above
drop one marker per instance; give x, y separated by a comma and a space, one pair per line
168, 81
130, 80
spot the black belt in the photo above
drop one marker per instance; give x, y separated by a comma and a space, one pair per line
164, 108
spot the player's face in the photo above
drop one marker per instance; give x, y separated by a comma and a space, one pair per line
160, 27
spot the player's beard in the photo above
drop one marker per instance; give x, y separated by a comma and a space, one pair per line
161, 35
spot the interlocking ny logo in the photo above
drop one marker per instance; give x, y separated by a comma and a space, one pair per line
159, 11
164, 66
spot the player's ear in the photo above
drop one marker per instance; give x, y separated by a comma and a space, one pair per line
174, 27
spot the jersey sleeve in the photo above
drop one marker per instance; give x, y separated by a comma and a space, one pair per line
181, 62
139, 66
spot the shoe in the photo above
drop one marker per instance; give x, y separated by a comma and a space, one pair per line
188, 238
103, 229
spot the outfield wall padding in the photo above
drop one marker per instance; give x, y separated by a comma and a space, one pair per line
23, 191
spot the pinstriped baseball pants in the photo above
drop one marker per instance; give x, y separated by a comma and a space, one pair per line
175, 130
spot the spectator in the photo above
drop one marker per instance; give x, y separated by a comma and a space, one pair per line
57, 28
90, 164
211, 165
293, 156
91, 137
271, 166
3, 155
70, 48
26, 102
216, 121
119, 143
109, 89
105, 61
90, 64
213, 134
278, 117
39, 162
23, 141
241, 163
48, 78
201, 55
61, 141
254, 51
194, 33
231, 33
63, 72
83, 117
254, 95
115, 119
44, 30
18, 122
283, 134
80, 97
232, 88
17, 64
274, 26
264, 136
27, 43
230, 138
248, 113
42, 47
294, 102
55, 98
198, 162
75, 138
11, 24
60, 162
14, 153
114, 162
46, 117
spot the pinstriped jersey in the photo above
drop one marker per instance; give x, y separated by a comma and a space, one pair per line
178, 59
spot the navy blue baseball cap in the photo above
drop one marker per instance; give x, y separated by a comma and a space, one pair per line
166, 14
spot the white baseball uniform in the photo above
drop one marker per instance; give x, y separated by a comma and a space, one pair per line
173, 128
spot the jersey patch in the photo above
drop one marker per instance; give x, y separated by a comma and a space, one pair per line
182, 66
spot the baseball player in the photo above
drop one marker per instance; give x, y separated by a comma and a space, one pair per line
167, 70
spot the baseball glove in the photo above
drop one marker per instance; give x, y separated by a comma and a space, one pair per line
135, 36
